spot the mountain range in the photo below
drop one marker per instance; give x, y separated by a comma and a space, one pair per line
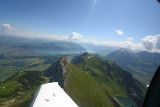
91, 80
94, 82
141, 64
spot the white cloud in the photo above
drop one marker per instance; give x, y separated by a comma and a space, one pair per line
130, 39
149, 43
128, 43
9, 30
119, 32
75, 36
6, 28
152, 42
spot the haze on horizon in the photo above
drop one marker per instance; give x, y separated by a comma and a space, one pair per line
127, 24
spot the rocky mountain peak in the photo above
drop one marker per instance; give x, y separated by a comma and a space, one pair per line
64, 61
58, 71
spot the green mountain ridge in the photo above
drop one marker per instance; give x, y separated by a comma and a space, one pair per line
93, 82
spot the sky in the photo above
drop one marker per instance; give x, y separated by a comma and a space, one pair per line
127, 23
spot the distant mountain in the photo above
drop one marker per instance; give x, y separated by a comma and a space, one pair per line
28, 46
141, 63
144, 62
93, 82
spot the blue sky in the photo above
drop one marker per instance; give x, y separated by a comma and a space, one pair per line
110, 20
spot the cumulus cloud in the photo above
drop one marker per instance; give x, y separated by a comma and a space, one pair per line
152, 42
75, 36
149, 43
119, 32
7, 28
128, 43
